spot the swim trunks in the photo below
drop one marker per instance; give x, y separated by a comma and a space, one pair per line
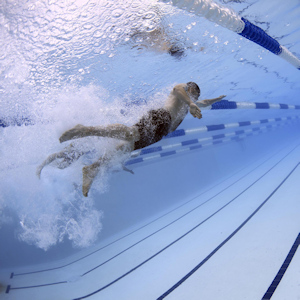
153, 127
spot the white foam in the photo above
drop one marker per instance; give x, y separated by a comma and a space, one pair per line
53, 209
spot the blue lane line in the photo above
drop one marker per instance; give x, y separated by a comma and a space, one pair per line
197, 267
282, 270
9, 288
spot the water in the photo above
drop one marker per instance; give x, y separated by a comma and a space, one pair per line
97, 63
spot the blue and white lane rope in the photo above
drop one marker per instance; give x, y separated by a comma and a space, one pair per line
225, 104
208, 128
231, 20
196, 144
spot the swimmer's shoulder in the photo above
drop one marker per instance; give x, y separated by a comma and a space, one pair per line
180, 86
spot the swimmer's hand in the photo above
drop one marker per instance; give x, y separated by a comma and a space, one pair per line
195, 111
221, 97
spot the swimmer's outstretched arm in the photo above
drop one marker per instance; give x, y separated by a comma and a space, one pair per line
208, 102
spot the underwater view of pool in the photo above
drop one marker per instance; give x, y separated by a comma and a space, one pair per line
204, 208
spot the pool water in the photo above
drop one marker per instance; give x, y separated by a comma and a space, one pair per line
91, 62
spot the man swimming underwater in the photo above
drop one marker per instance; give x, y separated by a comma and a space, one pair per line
151, 128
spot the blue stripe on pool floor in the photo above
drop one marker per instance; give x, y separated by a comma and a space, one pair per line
282, 270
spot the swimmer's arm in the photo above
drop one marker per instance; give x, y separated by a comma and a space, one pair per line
208, 102
180, 94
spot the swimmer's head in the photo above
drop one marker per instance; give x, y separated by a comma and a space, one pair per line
193, 89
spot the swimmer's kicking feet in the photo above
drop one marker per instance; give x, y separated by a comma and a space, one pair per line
63, 158
151, 128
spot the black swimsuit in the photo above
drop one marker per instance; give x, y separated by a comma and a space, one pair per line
153, 127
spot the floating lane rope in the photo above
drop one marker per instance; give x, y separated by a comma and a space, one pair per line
153, 153
231, 20
223, 104
181, 132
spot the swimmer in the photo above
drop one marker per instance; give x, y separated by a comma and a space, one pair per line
158, 40
150, 129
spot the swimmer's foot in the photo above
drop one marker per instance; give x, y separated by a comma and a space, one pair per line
76, 132
88, 175
126, 169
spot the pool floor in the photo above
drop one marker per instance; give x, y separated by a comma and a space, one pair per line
236, 240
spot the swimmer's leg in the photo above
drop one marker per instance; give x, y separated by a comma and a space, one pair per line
69, 155
117, 131
90, 172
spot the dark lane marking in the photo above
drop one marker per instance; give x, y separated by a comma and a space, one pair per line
282, 270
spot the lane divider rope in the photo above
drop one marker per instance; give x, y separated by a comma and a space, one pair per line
229, 19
